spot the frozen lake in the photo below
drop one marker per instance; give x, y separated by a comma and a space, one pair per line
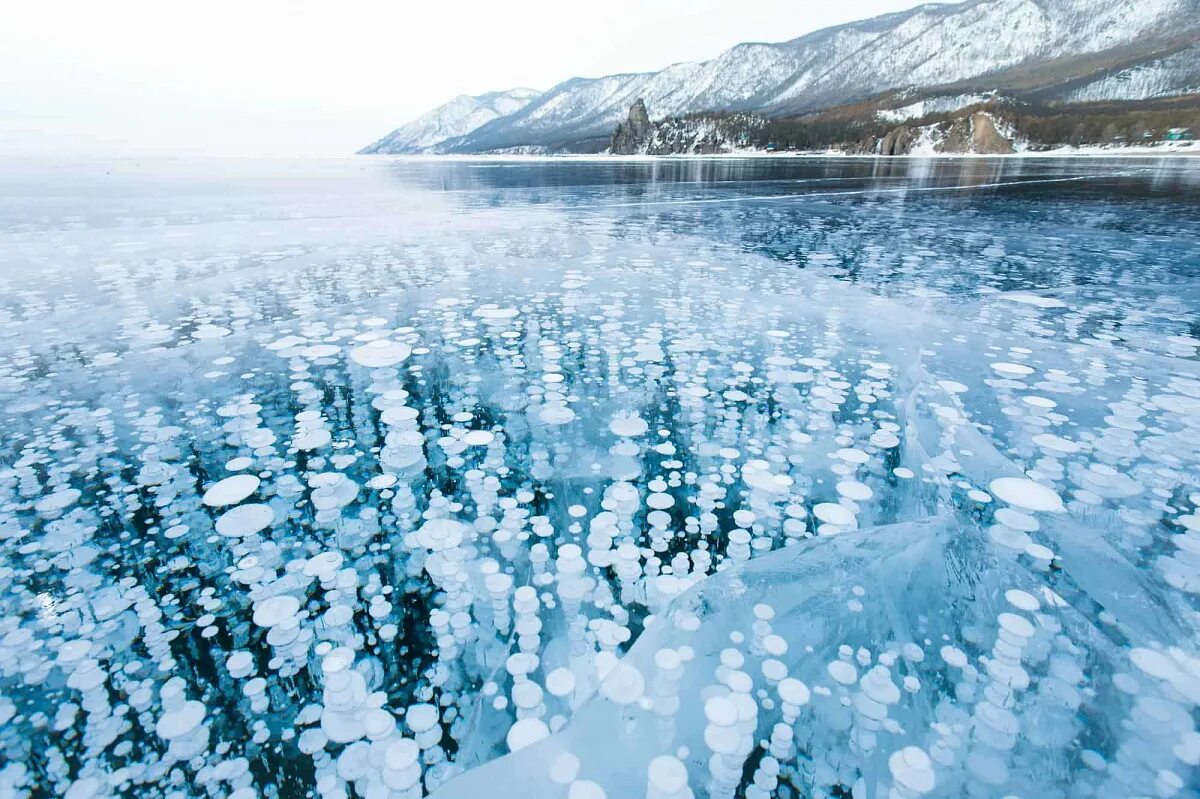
725, 477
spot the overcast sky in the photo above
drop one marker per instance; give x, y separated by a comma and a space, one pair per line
301, 77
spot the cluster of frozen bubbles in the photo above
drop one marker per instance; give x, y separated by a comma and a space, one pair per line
576, 516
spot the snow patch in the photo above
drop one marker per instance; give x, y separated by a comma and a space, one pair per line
931, 105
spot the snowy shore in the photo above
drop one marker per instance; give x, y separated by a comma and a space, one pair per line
1061, 152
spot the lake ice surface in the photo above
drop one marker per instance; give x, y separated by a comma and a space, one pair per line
586, 479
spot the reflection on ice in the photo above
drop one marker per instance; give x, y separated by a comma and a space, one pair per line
558, 502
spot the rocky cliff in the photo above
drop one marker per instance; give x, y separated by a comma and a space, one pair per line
974, 134
977, 133
697, 134
633, 135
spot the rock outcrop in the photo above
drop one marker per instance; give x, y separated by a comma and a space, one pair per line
633, 135
898, 141
976, 134
696, 134
985, 138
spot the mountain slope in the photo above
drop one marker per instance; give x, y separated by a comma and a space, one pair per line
1174, 74
978, 42
460, 116
938, 44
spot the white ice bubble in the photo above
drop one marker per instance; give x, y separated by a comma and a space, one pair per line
623, 684
556, 414
276, 610
1055, 444
720, 711
57, 501
210, 332
793, 691
833, 513
564, 769
628, 425
1037, 300
380, 353
842, 672
912, 769
526, 732
560, 682
667, 774
245, 520
586, 789
1022, 600
1025, 493
401, 754
478, 438
231, 490
854, 490
1012, 369
1153, 662
180, 721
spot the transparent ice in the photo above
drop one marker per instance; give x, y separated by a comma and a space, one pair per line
659, 480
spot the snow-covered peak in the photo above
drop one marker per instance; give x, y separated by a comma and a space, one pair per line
456, 118
942, 44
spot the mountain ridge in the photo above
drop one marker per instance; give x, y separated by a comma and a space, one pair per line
459, 116
986, 42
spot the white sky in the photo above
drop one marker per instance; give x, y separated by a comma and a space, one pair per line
302, 77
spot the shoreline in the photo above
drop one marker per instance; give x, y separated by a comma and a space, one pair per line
1130, 152
1181, 154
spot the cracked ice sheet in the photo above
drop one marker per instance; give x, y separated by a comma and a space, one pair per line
908, 604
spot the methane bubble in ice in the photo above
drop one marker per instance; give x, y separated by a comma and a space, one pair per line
380, 353
1026, 494
231, 490
244, 520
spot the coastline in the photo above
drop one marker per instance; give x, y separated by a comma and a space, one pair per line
1124, 152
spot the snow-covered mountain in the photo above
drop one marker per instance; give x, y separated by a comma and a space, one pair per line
941, 44
456, 118
990, 42
1175, 74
